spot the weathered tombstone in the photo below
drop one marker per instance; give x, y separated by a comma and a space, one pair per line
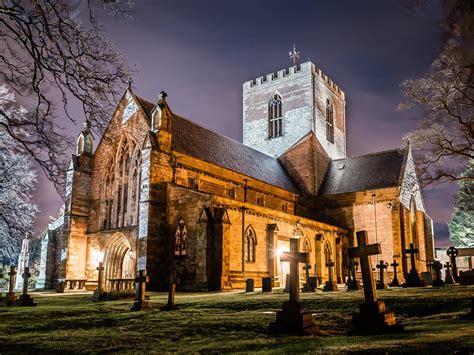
373, 317
395, 281
100, 277
294, 318
437, 267
381, 284
452, 252
170, 306
427, 278
266, 284
140, 288
413, 279
25, 299
448, 279
330, 284
352, 282
308, 286
466, 278
11, 297
249, 285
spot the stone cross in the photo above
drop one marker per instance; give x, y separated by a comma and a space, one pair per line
381, 266
395, 276
26, 278
363, 251
294, 258
294, 55
140, 288
437, 266
412, 251
330, 265
100, 276
452, 252
352, 282
448, 280
11, 286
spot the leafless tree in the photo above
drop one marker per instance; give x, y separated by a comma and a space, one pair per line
51, 57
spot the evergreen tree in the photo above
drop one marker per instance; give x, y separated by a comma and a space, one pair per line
461, 226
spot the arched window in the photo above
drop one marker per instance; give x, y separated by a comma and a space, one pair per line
250, 242
329, 122
306, 245
327, 254
414, 238
275, 117
181, 238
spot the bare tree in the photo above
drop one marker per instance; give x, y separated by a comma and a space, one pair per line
49, 54
444, 142
16, 183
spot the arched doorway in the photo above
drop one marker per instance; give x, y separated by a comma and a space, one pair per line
119, 262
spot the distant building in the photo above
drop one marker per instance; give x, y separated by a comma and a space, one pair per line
161, 192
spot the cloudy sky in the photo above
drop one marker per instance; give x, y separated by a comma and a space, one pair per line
200, 53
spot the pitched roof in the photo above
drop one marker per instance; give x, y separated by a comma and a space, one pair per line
365, 172
191, 139
201, 143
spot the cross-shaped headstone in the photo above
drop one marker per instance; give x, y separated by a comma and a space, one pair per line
452, 252
352, 282
395, 276
26, 277
382, 266
100, 275
448, 280
412, 251
25, 299
11, 286
140, 288
294, 258
437, 266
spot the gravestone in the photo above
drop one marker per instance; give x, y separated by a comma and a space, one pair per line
170, 306
11, 297
294, 318
140, 288
448, 279
373, 317
466, 278
100, 277
395, 281
25, 299
381, 284
330, 284
427, 278
308, 285
452, 252
437, 267
413, 279
266, 284
249, 285
352, 283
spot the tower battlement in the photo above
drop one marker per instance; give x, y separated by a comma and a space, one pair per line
303, 68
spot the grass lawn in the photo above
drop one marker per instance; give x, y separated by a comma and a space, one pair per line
235, 322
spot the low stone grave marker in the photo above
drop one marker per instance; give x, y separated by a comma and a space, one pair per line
11, 296
373, 317
381, 284
249, 285
395, 281
330, 284
308, 285
413, 279
294, 319
352, 283
25, 299
173, 281
140, 288
437, 267
427, 278
466, 278
266, 284
452, 252
448, 279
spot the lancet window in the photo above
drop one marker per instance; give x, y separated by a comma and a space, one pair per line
250, 243
275, 117
181, 238
329, 122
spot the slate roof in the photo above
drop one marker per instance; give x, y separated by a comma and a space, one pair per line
365, 172
199, 142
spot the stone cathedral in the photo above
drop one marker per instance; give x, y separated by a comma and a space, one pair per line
163, 193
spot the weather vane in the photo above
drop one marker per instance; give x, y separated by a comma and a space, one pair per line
294, 55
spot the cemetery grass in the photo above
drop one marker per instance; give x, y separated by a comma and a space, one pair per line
235, 322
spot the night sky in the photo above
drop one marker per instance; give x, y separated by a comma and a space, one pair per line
200, 53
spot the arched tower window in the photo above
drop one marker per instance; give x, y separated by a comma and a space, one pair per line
250, 243
329, 121
275, 117
180, 238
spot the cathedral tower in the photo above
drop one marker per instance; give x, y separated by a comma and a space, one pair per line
281, 108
